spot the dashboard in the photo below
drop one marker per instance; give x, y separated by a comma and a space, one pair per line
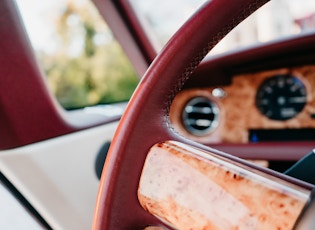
259, 106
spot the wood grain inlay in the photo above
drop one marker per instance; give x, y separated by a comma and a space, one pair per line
238, 112
191, 189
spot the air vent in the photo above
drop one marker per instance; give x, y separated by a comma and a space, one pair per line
200, 116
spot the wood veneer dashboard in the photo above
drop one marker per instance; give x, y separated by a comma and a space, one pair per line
245, 106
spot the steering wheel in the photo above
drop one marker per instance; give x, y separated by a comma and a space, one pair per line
146, 119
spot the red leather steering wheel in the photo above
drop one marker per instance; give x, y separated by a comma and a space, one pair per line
146, 120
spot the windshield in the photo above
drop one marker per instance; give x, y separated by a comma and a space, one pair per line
276, 19
85, 65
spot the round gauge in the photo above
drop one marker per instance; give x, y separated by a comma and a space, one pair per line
281, 97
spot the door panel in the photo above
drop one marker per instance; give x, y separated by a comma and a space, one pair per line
58, 177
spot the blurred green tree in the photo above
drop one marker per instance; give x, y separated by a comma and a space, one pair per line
89, 66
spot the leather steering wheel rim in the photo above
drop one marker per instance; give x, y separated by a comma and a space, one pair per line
145, 121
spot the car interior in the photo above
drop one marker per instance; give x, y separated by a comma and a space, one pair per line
208, 139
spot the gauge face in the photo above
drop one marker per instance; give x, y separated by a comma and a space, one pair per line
281, 97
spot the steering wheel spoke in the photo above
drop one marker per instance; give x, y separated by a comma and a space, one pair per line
185, 186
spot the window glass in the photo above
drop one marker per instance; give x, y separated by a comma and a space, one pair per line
83, 62
164, 17
276, 19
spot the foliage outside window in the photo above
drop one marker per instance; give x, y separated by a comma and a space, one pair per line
84, 64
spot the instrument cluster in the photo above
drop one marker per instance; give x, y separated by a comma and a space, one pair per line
272, 105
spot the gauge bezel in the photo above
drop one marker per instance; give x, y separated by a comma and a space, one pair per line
274, 94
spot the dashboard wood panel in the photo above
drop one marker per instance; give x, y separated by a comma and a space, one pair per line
238, 112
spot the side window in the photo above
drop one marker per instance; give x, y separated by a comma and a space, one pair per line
83, 62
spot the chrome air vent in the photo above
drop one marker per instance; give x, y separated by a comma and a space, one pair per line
200, 116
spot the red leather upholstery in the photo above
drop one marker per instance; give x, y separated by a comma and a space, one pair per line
28, 113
